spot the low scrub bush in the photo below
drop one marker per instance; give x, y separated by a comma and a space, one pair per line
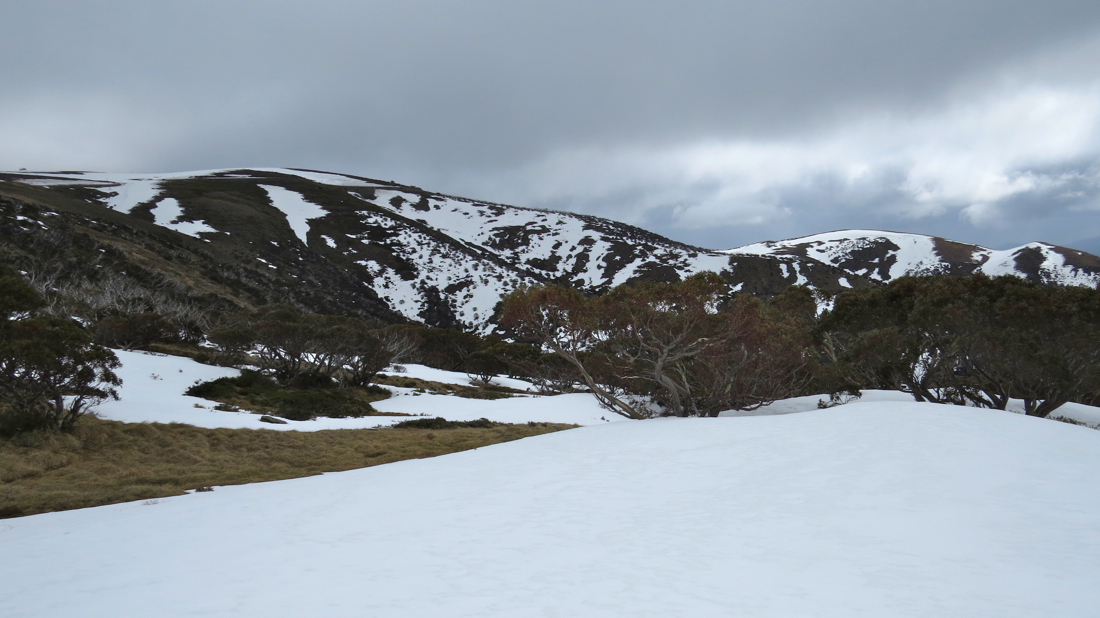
442, 423
51, 372
257, 392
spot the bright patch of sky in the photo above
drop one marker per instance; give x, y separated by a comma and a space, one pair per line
975, 160
716, 123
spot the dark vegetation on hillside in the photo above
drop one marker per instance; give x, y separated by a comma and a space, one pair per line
312, 336
692, 348
66, 240
85, 278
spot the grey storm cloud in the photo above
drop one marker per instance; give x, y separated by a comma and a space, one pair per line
718, 123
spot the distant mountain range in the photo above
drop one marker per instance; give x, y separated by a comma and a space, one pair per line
338, 243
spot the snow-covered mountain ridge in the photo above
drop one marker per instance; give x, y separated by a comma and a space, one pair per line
883, 256
333, 242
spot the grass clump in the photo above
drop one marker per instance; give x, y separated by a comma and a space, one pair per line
301, 400
488, 391
106, 462
442, 423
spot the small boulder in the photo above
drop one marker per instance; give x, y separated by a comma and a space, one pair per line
272, 419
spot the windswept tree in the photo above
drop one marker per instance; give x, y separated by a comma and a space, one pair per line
692, 347
51, 372
971, 340
568, 324
768, 356
360, 352
886, 337
295, 346
1033, 342
655, 334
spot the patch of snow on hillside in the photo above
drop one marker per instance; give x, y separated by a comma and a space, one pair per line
130, 194
413, 370
1056, 270
298, 210
324, 178
476, 284
1000, 263
874, 509
1090, 415
759, 248
56, 182
915, 255
168, 212
523, 237
400, 294
1052, 270
152, 392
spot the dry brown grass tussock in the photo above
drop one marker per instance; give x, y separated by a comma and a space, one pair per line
106, 462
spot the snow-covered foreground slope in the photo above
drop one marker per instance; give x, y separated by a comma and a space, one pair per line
153, 386
1090, 415
872, 509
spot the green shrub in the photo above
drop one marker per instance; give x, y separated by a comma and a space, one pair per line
258, 392
51, 372
137, 330
442, 423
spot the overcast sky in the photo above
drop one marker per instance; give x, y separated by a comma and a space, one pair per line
716, 123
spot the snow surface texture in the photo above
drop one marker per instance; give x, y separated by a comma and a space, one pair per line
916, 254
153, 386
872, 509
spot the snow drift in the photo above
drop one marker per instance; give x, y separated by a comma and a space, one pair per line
870, 509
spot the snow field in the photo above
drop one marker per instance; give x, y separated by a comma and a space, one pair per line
153, 386
872, 509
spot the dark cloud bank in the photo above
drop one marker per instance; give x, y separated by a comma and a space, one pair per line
716, 123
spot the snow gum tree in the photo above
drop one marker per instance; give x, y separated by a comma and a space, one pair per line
51, 372
692, 348
297, 346
974, 339
568, 324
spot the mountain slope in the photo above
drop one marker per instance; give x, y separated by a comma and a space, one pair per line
883, 256
340, 243
344, 244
